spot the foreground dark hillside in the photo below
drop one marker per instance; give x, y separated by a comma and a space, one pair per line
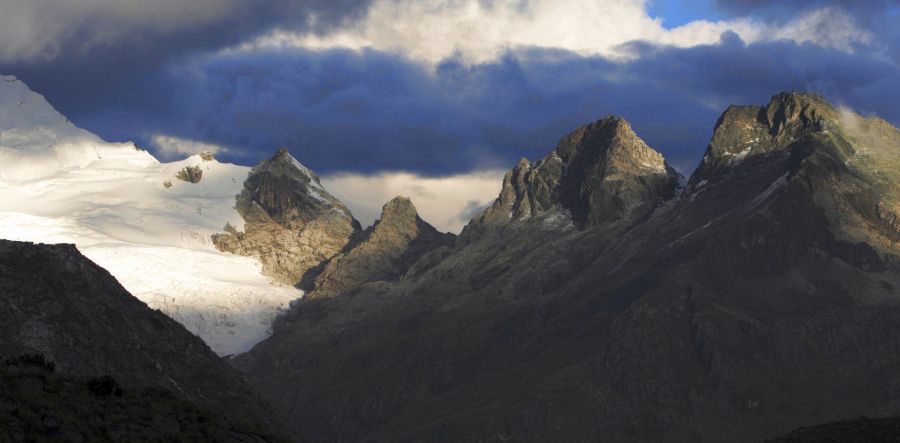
599, 299
38, 404
56, 304
861, 430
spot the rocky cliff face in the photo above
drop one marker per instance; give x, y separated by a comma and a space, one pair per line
747, 131
291, 222
57, 304
763, 299
600, 174
383, 252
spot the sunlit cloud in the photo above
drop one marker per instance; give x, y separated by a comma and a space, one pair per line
170, 147
447, 203
478, 31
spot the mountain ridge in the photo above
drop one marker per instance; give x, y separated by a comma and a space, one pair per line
749, 289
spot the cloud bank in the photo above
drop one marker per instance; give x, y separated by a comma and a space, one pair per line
478, 31
434, 87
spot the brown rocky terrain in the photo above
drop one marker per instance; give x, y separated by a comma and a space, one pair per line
382, 252
594, 301
291, 222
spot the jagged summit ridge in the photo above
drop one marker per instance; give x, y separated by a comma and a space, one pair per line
750, 293
383, 252
746, 131
600, 173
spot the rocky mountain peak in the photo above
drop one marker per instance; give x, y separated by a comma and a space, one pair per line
798, 112
289, 192
747, 131
400, 210
605, 148
382, 252
600, 173
284, 164
291, 222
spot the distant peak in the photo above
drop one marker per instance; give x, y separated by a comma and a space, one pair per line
399, 203
398, 210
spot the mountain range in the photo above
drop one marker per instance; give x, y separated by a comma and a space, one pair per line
602, 296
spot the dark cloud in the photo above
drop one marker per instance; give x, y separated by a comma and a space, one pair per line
59, 47
860, 7
128, 69
369, 111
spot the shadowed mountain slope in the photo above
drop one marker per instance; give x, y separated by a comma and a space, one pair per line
608, 306
57, 304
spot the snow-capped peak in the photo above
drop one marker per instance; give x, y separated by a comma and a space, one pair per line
37, 141
132, 215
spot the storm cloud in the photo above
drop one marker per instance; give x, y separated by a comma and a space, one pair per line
248, 79
369, 111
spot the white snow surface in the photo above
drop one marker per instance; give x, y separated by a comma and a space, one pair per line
61, 184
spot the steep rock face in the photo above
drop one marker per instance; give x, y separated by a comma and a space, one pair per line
291, 222
384, 252
599, 174
56, 303
747, 131
764, 300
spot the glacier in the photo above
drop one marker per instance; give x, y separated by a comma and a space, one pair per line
127, 212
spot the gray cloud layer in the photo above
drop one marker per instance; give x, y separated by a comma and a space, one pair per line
372, 111
135, 69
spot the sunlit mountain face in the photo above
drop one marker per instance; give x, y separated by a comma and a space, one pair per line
466, 220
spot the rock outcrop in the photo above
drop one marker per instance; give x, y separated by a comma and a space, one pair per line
762, 300
600, 174
747, 131
383, 252
190, 174
60, 306
291, 222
